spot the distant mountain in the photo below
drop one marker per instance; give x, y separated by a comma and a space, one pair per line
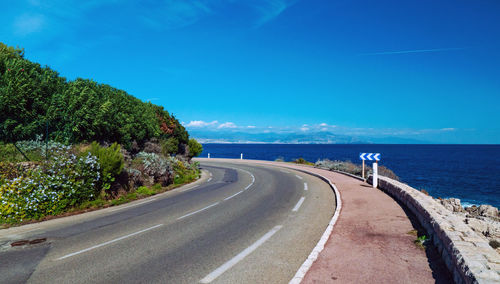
318, 137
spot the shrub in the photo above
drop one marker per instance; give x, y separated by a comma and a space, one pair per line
110, 160
61, 183
145, 191
302, 161
169, 146
195, 148
280, 159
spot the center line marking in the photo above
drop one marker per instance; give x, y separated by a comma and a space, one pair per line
197, 211
305, 186
297, 206
108, 242
226, 266
298, 176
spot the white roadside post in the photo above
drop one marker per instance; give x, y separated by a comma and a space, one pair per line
208, 155
241, 156
375, 174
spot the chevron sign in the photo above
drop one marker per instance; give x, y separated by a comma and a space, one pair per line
370, 156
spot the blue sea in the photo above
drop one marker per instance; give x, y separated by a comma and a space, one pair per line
468, 172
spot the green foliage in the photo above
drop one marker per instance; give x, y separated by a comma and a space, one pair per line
169, 146
195, 148
185, 172
302, 161
76, 111
110, 160
420, 241
145, 191
50, 189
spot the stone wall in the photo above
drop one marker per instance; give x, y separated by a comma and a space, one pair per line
467, 255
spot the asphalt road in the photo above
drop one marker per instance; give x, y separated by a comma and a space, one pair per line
238, 224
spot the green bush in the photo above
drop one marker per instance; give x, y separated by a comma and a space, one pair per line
145, 191
63, 182
195, 148
169, 146
110, 160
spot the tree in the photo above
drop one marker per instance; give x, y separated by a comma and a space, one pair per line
195, 148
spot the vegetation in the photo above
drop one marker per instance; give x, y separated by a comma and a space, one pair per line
355, 169
54, 137
195, 148
302, 161
421, 241
34, 99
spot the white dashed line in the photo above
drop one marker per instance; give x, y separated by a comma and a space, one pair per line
198, 211
108, 242
298, 176
226, 266
305, 186
297, 206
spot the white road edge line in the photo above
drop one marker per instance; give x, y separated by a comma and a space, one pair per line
298, 176
209, 179
190, 188
132, 205
283, 171
109, 242
227, 198
253, 179
226, 266
304, 268
198, 211
305, 186
297, 206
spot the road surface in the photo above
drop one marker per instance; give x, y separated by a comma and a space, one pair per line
238, 224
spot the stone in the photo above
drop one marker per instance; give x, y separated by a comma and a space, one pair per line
452, 204
488, 211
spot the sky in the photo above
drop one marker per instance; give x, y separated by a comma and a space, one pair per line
422, 70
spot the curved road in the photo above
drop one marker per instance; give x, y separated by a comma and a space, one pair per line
238, 224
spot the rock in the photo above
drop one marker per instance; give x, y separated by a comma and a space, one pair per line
488, 211
452, 204
477, 225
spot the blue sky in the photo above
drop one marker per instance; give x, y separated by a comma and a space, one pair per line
425, 70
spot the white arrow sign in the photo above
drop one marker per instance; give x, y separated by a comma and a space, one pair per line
370, 156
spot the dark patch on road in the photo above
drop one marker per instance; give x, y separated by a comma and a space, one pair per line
17, 265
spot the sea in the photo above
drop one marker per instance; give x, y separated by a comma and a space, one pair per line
467, 172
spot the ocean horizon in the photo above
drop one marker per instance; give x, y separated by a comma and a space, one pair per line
464, 171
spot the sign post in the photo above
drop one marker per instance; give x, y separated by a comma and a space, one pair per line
208, 155
241, 157
371, 157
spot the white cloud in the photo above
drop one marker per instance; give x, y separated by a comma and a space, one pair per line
323, 124
448, 129
227, 125
251, 126
201, 123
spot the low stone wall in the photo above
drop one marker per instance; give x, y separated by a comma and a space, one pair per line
467, 255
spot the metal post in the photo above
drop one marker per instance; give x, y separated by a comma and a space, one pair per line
363, 174
375, 174
208, 155
241, 156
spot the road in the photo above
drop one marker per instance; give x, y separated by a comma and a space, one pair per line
238, 224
